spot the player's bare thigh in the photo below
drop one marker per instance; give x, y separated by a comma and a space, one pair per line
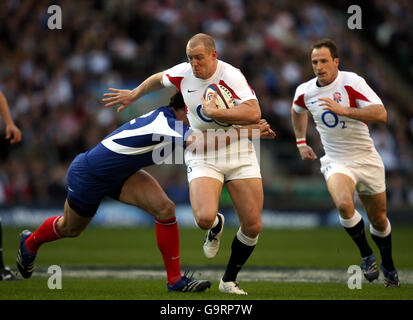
247, 196
375, 206
342, 188
72, 224
143, 191
204, 193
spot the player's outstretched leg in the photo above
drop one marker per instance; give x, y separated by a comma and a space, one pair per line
189, 284
25, 259
52, 229
30, 243
213, 237
143, 191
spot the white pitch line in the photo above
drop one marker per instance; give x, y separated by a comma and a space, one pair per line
273, 275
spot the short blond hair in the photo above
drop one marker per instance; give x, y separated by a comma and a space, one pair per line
203, 38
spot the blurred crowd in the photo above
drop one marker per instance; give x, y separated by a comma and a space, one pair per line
54, 80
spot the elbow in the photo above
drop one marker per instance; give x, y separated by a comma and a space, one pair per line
254, 112
383, 118
382, 114
256, 120
256, 117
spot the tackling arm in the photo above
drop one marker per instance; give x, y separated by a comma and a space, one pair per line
215, 139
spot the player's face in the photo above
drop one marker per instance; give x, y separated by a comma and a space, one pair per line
324, 66
203, 63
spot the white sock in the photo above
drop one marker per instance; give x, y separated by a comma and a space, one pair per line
215, 222
245, 239
349, 223
381, 234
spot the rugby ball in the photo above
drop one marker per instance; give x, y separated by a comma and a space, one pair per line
224, 99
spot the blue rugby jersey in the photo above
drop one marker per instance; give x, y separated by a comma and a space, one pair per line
141, 142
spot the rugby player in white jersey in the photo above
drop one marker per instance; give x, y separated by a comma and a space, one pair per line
206, 175
342, 105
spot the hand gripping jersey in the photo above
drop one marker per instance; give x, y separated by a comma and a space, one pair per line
192, 89
343, 138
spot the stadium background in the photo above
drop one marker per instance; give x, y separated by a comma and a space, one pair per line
54, 81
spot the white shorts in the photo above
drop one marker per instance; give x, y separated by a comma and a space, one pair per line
368, 174
226, 171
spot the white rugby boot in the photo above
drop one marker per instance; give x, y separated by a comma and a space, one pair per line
231, 287
212, 240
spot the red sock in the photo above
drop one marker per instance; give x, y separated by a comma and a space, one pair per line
47, 232
167, 238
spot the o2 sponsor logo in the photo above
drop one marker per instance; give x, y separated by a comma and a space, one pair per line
208, 120
201, 115
331, 120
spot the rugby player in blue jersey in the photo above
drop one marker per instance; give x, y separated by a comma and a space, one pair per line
114, 168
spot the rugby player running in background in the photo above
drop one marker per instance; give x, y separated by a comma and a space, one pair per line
342, 104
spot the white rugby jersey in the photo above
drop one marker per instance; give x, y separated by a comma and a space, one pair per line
343, 138
192, 89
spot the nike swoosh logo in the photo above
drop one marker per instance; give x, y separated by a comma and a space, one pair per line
190, 91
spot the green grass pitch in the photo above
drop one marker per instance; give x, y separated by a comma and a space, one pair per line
135, 248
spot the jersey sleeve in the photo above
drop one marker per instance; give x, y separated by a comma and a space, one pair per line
236, 83
173, 76
299, 105
364, 95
